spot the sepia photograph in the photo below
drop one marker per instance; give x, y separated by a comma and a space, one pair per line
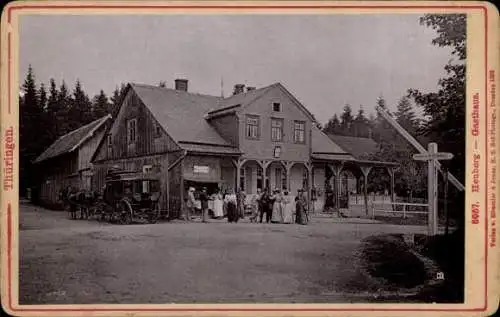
249, 158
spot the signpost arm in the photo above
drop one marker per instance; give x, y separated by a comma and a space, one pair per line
416, 144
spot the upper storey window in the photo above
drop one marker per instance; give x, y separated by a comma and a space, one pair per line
299, 129
277, 130
252, 127
276, 107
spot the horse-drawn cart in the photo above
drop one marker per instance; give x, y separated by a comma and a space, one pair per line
129, 197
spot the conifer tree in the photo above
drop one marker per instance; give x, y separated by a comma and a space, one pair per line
100, 106
29, 129
332, 126
346, 121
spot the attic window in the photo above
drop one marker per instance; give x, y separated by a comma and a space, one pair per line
132, 131
157, 131
276, 107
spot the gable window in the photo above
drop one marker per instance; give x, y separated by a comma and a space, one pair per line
299, 129
277, 130
131, 131
252, 127
109, 142
276, 107
157, 131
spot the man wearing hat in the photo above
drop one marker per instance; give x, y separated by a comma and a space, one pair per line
204, 204
190, 204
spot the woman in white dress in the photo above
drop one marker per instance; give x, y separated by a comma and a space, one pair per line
287, 208
218, 205
277, 216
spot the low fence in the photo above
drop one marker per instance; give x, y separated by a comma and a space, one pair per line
401, 208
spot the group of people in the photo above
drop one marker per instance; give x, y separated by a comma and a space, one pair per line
279, 207
275, 207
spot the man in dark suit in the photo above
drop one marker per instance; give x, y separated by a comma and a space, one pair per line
204, 204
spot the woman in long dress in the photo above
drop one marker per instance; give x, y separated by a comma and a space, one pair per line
218, 206
277, 216
300, 209
232, 213
287, 208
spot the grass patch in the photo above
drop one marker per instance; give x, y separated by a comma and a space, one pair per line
388, 257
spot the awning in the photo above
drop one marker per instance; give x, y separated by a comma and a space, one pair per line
204, 180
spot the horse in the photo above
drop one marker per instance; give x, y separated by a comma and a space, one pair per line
83, 200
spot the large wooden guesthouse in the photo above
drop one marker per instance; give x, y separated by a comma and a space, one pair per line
256, 138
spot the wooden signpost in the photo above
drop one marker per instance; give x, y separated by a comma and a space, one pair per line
432, 157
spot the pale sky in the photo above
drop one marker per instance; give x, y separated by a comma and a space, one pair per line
326, 61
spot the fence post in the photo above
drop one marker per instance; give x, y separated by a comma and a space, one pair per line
404, 211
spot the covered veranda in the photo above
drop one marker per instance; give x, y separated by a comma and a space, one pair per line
253, 174
336, 178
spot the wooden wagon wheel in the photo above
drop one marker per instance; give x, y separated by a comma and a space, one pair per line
154, 214
125, 211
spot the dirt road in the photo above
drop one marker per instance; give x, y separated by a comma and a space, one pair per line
66, 261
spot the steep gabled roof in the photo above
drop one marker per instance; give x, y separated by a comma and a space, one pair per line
242, 100
360, 148
72, 140
324, 148
181, 114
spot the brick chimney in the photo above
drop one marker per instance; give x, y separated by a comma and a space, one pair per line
181, 84
250, 88
238, 89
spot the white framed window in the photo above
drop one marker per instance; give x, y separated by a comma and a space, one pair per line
277, 152
276, 107
132, 131
252, 127
299, 131
277, 130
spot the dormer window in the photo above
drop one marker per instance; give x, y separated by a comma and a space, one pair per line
276, 107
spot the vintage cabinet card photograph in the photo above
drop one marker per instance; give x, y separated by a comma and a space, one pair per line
239, 158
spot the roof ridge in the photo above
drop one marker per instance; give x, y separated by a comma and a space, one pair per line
174, 90
251, 91
350, 136
78, 129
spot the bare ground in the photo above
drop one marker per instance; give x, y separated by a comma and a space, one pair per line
66, 261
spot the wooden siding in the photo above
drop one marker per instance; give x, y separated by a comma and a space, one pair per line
263, 147
57, 174
88, 149
175, 194
147, 140
213, 164
159, 165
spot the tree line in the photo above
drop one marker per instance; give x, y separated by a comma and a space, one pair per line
391, 147
443, 118
47, 115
